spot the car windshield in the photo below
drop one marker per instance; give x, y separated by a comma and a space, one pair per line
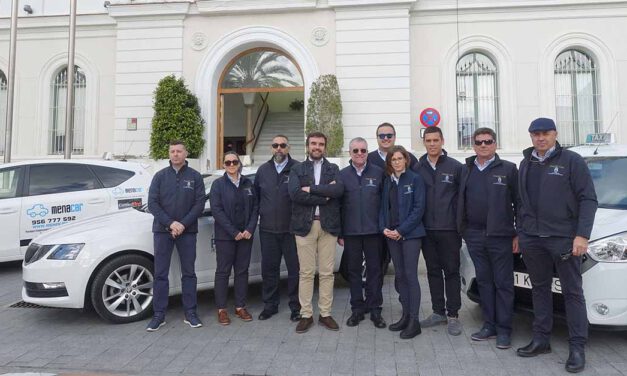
610, 181
208, 179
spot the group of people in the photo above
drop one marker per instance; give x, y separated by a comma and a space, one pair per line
387, 202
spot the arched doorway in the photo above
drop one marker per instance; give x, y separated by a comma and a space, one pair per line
260, 94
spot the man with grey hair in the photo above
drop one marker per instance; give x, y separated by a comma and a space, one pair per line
360, 236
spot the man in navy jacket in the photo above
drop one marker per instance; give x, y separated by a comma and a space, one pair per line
386, 139
487, 204
176, 199
361, 237
275, 209
558, 204
315, 189
441, 246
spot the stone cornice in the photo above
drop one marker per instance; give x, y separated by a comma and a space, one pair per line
149, 9
363, 3
240, 6
487, 5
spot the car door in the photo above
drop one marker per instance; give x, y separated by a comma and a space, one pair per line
57, 194
11, 182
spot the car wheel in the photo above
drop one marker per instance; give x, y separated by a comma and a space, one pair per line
122, 290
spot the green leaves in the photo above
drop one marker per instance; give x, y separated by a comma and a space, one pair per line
324, 112
177, 116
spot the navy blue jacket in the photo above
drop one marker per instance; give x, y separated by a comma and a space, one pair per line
176, 197
502, 195
275, 204
223, 196
411, 204
442, 186
375, 159
568, 201
361, 200
304, 204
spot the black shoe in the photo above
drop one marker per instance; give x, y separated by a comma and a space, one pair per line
484, 334
295, 316
534, 348
400, 324
412, 329
266, 314
355, 319
576, 361
378, 320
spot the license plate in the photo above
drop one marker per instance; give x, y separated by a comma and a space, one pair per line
523, 280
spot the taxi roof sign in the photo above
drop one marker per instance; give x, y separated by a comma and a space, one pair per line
600, 138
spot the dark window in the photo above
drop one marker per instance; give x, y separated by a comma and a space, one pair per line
111, 177
60, 178
9, 182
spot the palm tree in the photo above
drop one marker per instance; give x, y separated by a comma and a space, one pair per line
261, 70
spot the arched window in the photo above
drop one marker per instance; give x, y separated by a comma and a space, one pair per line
477, 96
57, 112
576, 97
3, 110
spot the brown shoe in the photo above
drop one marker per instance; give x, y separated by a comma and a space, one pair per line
328, 322
223, 317
243, 314
304, 324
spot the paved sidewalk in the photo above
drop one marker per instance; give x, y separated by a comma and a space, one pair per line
70, 342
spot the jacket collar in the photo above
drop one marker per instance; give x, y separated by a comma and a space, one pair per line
558, 151
470, 161
441, 159
290, 163
182, 167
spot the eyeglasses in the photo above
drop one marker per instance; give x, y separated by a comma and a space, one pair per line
281, 145
362, 151
485, 142
234, 162
383, 136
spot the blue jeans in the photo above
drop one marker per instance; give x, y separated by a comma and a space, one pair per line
405, 254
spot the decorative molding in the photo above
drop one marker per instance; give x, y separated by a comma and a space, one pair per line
237, 6
362, 3
149, 9
320, 36
483, 5
199, 41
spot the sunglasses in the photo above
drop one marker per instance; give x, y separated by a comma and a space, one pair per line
281, 145
383, 136
485, 142
234, 162
362, 151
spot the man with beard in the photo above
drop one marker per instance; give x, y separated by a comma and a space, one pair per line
315, 189
275, 209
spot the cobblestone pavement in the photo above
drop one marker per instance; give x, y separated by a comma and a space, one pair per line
41, 341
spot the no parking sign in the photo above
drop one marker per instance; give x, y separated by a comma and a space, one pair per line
430, 117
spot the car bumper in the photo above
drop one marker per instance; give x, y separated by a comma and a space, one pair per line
42, 279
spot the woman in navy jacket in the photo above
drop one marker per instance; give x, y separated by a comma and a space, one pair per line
235, 208
400, 220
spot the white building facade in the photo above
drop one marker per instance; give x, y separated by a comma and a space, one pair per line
478, 62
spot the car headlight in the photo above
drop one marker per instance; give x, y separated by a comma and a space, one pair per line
610, 249
66, 251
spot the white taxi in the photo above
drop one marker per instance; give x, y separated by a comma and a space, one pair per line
604, 267
107, 263
36, 196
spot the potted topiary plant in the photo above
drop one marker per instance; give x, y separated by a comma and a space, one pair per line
177, 116
297, 104
324, 113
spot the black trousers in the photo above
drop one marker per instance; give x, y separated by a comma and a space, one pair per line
358, 248
186, 248
274, 247
231, 254
540, 254
442, 257
494, 270
405, 255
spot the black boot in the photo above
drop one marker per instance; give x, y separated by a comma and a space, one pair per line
400, 324
412, 330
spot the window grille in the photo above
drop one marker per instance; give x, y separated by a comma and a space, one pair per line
477, 97
577, 97
57, 112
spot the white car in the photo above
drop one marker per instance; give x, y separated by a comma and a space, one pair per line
37, 196
107, 263
604, 268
